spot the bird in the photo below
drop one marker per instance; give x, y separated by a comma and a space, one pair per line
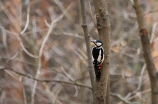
98, 57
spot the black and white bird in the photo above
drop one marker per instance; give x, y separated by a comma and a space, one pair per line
98, 57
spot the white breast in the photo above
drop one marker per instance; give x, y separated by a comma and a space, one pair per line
99, 57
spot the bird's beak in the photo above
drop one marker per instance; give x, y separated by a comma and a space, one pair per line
93, 41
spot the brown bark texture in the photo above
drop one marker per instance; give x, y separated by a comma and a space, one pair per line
103, 26
147, 52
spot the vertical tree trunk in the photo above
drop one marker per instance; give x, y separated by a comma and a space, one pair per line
103, 26
147, 52
108, 100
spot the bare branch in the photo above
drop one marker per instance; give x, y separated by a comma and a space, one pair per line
51, 27
90, 9
152, 11
21, 43
27, 21
53, 24
123, 99
23, 47
87, 40
43, 80
147, 51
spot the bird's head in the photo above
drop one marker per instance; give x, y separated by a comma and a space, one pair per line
97, 43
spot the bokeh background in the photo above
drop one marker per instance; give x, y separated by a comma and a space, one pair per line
52, 30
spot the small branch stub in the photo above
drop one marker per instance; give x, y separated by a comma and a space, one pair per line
143, 32
84, 26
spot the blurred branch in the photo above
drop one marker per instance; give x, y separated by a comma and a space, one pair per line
144, 66
51, 27
87, 40
43, 80
20, 41
141, 77
152, 11
23, 47
90, 9
18, 60
136, 92
67, 14
52, 94
9, 15
147, 52
27, 21
153, 33
143, 92
123, 99
4, 36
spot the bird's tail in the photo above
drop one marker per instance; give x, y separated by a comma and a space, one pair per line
98, 74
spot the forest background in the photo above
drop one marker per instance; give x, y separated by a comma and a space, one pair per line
43, 56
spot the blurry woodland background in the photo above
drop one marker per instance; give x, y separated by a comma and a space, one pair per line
43, 39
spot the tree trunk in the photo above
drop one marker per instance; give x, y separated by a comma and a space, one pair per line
147, 52
103, 26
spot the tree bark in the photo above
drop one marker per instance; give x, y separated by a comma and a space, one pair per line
103, 26
87, 40
108, 99
147, 52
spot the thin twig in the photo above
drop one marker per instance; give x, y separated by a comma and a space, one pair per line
40, 54
4, 38
153, 32
123, 99
27, 21
141, 77
152, 11
24, 49
21, 43
143, 92
52, 94
90, 9
43, 80
51, 27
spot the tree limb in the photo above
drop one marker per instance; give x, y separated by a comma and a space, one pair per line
147, 52
87, 40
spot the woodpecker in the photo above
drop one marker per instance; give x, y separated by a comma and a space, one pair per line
98, 57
